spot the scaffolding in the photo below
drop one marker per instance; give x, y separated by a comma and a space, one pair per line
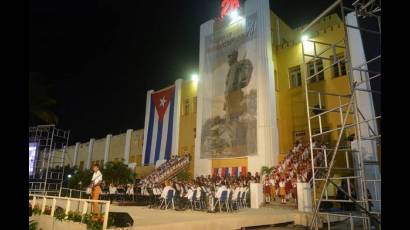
351, 147
47, 172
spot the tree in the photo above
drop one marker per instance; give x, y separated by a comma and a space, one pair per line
40, 103
183, 175
265, 170
80, 176
117, 173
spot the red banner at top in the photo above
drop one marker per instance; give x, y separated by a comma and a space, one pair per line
228, 6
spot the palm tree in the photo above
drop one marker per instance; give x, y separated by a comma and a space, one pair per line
40, 104
265, 170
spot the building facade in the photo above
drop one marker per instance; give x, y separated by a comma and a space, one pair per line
287, 120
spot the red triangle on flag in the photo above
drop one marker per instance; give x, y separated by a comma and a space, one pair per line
161, 101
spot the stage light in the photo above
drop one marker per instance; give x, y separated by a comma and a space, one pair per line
195, 78
234, 14
69, 175
305, 38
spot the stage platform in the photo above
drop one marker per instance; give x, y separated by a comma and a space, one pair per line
155, 219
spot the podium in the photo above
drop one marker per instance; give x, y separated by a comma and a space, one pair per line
304, 193
256, 191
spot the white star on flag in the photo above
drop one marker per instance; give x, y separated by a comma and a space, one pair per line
162, 101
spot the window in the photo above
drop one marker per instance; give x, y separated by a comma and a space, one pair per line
314, 68
338, 69
81, 167
300, 135
276, 80
186, 106
324, 137
195, 101
194, 133
295, 77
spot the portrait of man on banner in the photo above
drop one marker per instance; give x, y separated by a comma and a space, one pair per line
230, 129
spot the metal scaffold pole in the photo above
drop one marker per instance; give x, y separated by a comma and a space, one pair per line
352, 167
47, 174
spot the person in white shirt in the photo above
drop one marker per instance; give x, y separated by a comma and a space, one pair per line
282, 191
112, 190
186, 197
218, 193
96, 190
130, 191
198, 192
272, 182
190, 193
235, 189
166, 189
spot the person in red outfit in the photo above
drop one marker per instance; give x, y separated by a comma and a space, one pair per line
266, 189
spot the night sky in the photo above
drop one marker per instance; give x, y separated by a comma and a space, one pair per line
101, 57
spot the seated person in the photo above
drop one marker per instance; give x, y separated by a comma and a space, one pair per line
167, 188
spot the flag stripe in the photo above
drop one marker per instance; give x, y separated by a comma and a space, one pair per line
149, 135
158, 144
170, 127
154, 139
164, 140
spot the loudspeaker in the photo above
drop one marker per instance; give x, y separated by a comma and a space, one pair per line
120, 219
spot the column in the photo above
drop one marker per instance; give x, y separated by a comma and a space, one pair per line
147, 110
127, 146
90, 153
364, 100
77, 147
107, 147
177, 113
267, 129
202, 166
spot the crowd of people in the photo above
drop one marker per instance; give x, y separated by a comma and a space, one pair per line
167, 168
296, 167
205, 191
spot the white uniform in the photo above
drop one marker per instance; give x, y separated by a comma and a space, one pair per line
219, 191
165, 191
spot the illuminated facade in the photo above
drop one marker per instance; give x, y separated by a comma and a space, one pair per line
289, 113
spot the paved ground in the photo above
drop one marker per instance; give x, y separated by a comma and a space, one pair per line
145, 218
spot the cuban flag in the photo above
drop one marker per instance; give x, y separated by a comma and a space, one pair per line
161, 123
215, 172
234, 171
243, 171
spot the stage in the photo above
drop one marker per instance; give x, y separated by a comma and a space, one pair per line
155, 219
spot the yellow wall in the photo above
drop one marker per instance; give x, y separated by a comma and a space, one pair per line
136, 147
187, 121
98, 152
116, 151
117, 147
83, 154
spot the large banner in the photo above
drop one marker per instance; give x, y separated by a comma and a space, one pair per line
160, 123
229, 129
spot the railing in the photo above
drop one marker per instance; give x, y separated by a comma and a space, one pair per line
37, 186
68, 207
172, 173
72, 193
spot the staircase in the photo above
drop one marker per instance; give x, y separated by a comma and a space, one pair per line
172, 173
175, 172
